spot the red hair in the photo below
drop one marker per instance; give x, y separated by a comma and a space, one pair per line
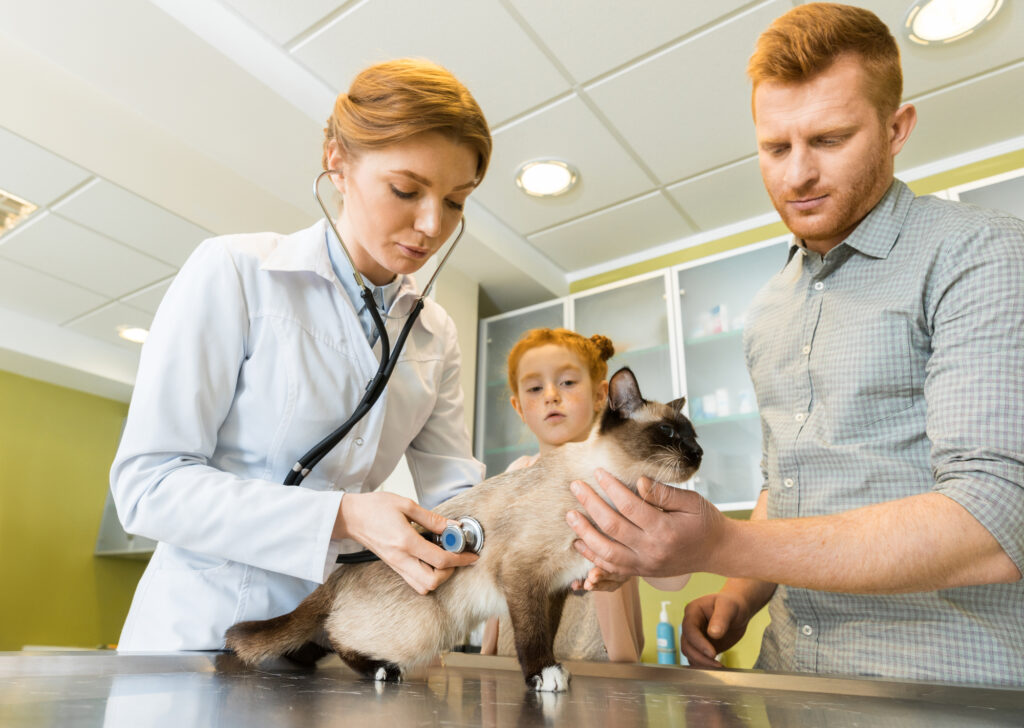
810, 38
594, 352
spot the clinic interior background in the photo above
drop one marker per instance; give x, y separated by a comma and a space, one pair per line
137, 128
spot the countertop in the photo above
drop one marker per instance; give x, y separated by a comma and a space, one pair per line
190, 690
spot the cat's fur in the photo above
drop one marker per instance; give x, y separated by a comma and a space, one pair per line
381, 627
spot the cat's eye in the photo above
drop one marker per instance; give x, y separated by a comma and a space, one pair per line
667, 430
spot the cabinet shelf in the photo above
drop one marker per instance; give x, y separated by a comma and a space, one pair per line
529, 447
723, 336
739, 417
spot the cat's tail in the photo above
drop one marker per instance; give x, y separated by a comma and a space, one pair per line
287, 635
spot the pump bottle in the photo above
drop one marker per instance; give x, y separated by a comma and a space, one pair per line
666, 638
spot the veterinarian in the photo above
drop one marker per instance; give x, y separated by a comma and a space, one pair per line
263, 345
888, 361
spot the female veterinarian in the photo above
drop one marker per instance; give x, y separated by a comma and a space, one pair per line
265, 342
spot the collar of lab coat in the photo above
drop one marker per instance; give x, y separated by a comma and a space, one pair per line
306, 251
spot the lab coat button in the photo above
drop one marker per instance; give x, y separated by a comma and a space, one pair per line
359, 441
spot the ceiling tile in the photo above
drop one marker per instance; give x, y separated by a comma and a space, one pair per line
593, 36
930, 67
102, 324
34, 174
506, 78
148, 299
724, 196
51, 244
41, 296
133, 221
688, 110
622, 230
567, 130
283, 21
973, 115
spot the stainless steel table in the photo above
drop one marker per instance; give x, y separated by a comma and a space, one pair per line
204, 689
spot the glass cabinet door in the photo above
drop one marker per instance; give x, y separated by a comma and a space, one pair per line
501, 436
714, 298
635, 317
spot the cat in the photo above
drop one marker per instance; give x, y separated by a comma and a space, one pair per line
381, 627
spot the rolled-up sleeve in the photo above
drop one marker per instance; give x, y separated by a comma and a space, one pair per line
974, 384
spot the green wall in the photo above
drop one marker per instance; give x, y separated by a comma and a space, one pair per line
56, 446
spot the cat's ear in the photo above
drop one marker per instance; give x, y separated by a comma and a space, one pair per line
677, 404
624, 393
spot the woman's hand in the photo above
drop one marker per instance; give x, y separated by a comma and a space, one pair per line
381, 522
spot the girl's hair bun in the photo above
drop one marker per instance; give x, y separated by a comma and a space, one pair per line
604, 345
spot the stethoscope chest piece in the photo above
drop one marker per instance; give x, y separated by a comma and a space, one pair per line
468, 535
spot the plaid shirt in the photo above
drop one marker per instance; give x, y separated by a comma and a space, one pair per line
895, 366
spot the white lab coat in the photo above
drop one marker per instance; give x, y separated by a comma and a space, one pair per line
254, 356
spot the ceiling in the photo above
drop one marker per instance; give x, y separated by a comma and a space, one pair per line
140, 127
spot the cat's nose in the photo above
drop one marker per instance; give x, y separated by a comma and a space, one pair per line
695, 452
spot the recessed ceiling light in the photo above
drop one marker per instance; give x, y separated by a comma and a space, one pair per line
546, 177
13, 210
931, 22
133, 333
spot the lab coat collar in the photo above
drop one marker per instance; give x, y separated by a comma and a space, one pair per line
306, 251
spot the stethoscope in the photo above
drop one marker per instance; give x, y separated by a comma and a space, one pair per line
468, 534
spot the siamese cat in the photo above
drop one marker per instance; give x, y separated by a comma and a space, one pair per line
381, 627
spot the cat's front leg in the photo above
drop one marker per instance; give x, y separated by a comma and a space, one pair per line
535, 614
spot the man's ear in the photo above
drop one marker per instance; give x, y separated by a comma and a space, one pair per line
900, 126
517, 407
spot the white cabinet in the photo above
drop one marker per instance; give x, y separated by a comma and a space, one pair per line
713, 300
680, 331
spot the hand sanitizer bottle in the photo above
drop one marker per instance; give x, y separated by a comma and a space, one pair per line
666, 638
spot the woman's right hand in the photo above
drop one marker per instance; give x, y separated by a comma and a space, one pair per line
712, 624
380, 521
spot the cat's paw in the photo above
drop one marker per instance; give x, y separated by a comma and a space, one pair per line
388, 673
553, 679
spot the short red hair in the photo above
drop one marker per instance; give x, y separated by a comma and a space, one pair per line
594, 352
810, 38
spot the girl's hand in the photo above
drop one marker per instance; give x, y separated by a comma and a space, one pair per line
381, 522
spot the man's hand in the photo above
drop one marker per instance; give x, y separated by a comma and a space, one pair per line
712, 624
663, 531
380, 522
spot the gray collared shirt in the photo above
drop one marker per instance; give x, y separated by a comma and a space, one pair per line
383, 295
893, 366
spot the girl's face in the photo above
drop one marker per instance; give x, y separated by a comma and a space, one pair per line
555, 395
401, 202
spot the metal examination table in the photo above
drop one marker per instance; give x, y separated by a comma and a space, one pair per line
208, 689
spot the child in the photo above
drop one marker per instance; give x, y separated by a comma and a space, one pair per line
559, 386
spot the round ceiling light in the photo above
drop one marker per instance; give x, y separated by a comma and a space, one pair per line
932, 22
133, 333
546, 177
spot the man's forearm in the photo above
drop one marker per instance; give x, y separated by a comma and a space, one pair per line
922, 543
753, 592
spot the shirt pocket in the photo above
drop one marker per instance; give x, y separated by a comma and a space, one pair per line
865, 372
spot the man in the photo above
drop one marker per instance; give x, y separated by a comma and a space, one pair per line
888, 361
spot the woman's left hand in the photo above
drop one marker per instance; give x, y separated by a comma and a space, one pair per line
381, 522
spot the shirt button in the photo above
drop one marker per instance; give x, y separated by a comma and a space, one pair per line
359, 441
788, 482
808, 630
799, 417
818, 286
806, 349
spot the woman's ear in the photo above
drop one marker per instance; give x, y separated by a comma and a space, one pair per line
337, 160
517, 407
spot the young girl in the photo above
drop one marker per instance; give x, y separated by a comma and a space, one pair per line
559, 386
